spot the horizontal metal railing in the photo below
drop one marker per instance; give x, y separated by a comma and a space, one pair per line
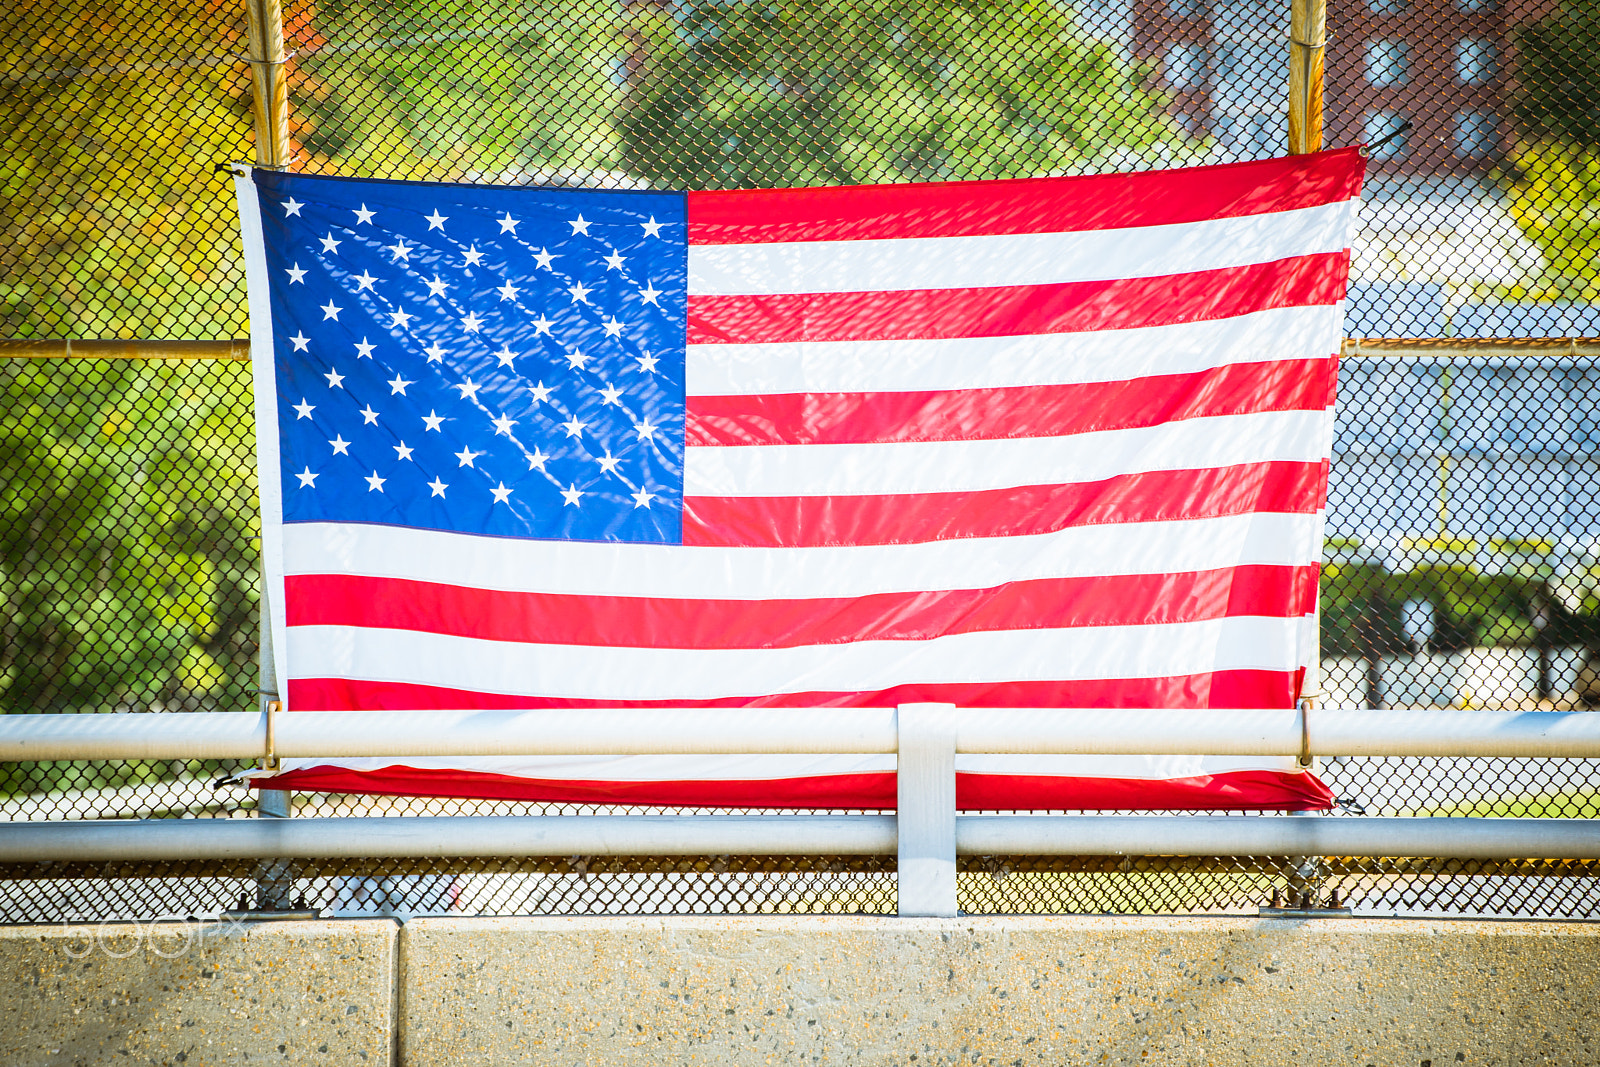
604, 732
925, 834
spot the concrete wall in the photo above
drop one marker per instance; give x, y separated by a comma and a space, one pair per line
198, 994
821, 990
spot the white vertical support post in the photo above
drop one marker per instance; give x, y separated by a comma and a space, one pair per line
926, 812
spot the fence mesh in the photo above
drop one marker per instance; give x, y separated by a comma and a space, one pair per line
1461, 567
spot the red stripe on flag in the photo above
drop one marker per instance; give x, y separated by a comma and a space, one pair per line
910, 518
1017, 411
1019, 310
1218, 689
661, 622
1234, 790
1025, 205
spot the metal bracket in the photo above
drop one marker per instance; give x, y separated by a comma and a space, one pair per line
270, 760
1305, 706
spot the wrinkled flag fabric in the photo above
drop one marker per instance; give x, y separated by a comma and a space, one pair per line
1056, 442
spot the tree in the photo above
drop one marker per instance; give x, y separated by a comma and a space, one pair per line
1555, 192
806, 92
113, 115
445, 88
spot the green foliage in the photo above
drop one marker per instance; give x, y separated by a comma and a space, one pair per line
727, 94
1555, 199
113, 222
1362, 605
1558, 76
439, 88
127, 534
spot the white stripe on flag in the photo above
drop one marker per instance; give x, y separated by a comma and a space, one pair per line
959, 466
1000, 362
616, 673
1015, 259
767, 767
609, 569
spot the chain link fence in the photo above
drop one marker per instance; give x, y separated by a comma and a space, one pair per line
1462, 568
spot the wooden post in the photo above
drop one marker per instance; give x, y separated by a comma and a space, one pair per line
269, 84
1308, 36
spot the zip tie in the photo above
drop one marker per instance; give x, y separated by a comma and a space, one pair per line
253, 61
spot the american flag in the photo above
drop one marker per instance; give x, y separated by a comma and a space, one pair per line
1056, 442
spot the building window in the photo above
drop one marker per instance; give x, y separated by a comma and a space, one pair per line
1186, 66
1477, 132
1388, 62
1388, 7
1381, 124
1477, 61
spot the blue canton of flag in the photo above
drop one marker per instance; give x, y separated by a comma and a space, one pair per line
503, 361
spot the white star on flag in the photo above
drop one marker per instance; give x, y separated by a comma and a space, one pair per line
437, 486
375, 483
436, 221
330, 244
502, 495
330, 310
362, 214
573, 427
398, 384
364, 280
363, 349
368, 416
466, 456
571, 494
469, 389
642, 499
580, 225
503, 424
433, 419
403, 451
300, 341
437, 286
508, 224
401, 250
304, 409
341, 447
307, 478
652, 228
297, 276
335, 379
292, 206
473, 256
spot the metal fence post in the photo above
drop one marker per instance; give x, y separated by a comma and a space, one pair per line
926, 812
1308, 38
274, 878
269, 83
